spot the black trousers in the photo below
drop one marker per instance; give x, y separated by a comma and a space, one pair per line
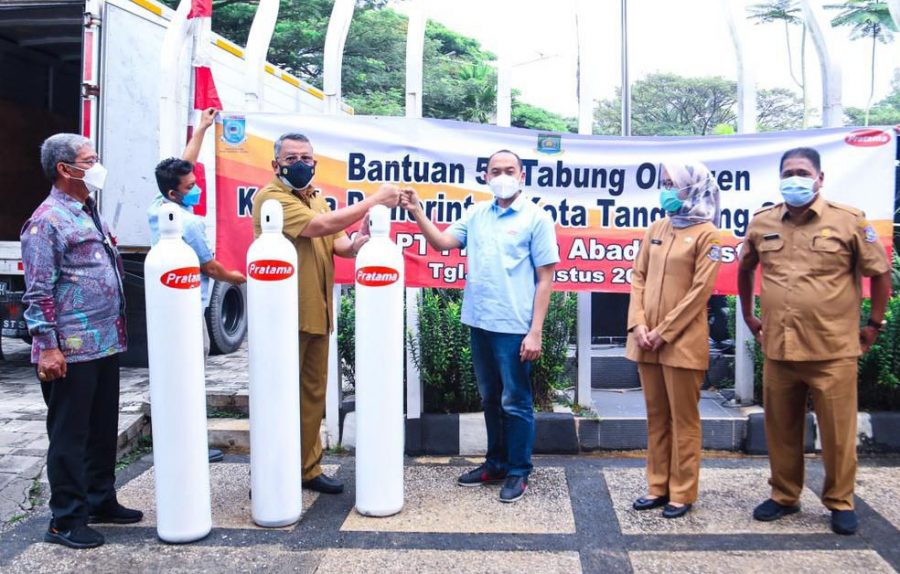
82, 424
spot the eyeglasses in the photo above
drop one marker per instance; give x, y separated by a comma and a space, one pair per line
292, 159
90, 162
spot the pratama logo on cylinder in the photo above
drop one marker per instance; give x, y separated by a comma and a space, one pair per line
270, 270
183, 278
376, 276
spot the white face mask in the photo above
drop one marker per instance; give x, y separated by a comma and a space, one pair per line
504, 186
94, 177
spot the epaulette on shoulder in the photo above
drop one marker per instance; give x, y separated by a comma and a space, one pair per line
766, 208
848, 208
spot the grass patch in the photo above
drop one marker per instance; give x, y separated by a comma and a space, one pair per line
226, 413
144, 446
586, 412
337, 450
34, 493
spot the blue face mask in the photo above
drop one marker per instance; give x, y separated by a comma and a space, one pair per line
798, 191
192, 197
669, 200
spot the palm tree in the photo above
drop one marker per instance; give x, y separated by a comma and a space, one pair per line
789, 12
480, 93
867, 19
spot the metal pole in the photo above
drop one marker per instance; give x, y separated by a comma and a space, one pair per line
335, 38
583, 395
747, 117
415, 46
504, 92
415, 42
626, 86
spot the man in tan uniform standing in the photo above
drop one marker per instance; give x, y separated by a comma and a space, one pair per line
812, 253
318, 235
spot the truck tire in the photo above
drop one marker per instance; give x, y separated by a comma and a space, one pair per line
226, 318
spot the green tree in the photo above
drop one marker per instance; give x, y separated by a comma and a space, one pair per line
672, 105
459, 82
780, 109
885, 112
789, 13
867, 19
525, 115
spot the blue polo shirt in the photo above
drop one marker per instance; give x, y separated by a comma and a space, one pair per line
193, 231
504, 247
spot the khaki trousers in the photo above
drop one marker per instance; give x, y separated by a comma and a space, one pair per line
673, 430
786, 387
313, 384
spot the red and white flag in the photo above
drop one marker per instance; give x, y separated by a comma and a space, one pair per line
205, 94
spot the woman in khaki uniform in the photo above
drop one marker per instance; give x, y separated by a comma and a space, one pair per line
672, 280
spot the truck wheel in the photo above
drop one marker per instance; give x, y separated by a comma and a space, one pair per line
226, 318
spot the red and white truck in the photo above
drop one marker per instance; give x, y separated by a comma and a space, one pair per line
94, 67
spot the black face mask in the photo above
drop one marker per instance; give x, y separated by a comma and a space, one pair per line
297, 175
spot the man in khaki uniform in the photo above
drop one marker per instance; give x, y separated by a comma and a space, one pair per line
812, 253
318, 235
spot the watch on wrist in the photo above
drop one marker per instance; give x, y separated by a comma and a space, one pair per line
877, 325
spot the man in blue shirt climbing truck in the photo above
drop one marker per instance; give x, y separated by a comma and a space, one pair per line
177, 184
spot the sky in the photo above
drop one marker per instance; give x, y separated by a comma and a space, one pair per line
685, 37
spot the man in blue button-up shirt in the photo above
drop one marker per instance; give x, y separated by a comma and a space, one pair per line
512, 251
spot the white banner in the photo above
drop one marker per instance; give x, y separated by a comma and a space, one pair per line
601, 191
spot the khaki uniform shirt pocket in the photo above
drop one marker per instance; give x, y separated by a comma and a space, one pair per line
828, 254
771, 251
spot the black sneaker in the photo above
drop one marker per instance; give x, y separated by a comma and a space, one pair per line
81, 536
771, 510
514, 488
844, 522
479, 476
115, 514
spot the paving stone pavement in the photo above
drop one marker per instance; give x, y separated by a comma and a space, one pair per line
23, 434
574, 518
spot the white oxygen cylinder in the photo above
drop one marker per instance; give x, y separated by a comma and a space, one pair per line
177, 391
272, 299
379, 371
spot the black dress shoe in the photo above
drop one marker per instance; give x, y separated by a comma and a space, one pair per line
844, 522
81, 536
115, 514
671, 511
771, 510
650, 503
324, 485
216, 455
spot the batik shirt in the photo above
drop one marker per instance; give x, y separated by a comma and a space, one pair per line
73, 277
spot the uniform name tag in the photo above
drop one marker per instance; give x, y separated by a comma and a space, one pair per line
771, 236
